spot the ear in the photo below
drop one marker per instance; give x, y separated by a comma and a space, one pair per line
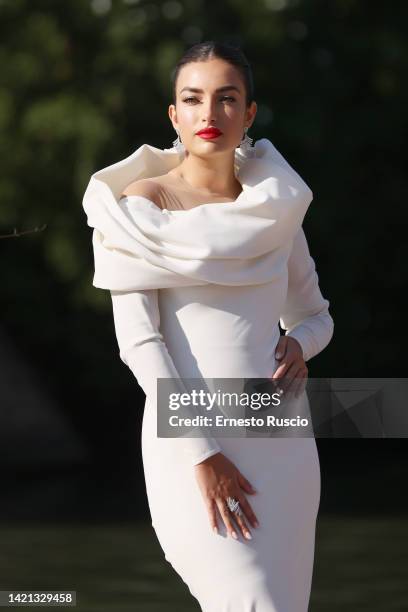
251, 113
173, 116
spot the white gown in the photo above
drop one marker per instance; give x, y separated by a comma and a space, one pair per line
200, 293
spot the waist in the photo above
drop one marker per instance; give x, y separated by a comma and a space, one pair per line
223, 360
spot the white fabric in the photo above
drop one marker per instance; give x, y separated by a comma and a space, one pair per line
139, 246
199, 293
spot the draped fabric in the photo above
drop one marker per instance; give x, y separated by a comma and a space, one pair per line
139, 246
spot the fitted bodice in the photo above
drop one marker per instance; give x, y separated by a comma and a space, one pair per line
226, 331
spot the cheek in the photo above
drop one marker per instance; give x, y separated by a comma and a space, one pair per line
235, 117
186, 116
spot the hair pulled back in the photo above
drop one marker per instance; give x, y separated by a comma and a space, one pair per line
211, 49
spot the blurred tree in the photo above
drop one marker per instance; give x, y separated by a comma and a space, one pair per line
83, 84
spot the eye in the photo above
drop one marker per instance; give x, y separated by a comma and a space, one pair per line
187, 100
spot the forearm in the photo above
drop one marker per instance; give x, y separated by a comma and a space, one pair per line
313, 334
306, 315
142, 349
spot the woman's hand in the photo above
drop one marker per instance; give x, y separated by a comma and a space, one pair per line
218, 479
292, 365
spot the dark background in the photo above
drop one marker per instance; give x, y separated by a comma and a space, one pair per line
83, 84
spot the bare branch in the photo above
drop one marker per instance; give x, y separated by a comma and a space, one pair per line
16, 234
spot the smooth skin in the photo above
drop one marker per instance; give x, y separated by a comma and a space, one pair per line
208, 166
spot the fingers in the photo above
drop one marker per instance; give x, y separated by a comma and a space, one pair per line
294, 386
291, 373
226, 517
295, 382
212, 515
240, 520
288, 351
281, 347
288, 371
280, 371
302, 381
223, 489
245, 506
249, 513
245, 484
237, 517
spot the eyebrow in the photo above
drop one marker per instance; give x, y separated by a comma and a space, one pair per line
224, 88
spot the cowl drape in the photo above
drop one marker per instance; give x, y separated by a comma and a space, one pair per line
139, 246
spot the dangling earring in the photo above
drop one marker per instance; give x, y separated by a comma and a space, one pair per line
178, 145
246, 144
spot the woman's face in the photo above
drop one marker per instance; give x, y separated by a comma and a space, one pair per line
208, 107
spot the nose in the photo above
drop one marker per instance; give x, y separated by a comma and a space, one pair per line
209, 114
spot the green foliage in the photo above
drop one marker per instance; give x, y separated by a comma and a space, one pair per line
83, 84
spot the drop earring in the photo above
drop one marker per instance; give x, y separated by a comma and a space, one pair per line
178, 145
246, 144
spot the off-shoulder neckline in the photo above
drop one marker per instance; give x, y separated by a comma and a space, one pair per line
230, 204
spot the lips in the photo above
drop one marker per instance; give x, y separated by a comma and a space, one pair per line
209, 133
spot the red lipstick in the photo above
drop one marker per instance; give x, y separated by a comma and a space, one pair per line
209, 133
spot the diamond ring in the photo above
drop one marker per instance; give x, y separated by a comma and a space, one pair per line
233, 505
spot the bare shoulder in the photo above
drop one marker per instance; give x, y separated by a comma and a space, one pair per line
146, 188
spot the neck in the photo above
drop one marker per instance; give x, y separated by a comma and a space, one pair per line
215, 176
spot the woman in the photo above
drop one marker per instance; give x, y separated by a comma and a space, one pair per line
203, 251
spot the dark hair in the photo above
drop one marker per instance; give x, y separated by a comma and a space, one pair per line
211, 49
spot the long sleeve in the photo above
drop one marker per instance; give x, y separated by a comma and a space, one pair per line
142, 348
306, 314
